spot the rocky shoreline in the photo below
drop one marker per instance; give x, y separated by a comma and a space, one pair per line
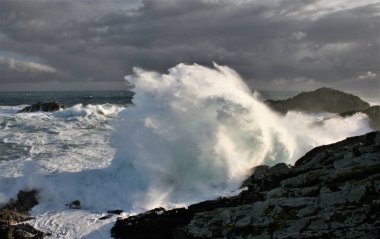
332, 191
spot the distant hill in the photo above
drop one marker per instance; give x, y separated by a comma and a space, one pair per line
320, 100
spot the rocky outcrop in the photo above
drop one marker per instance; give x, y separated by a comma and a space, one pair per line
42, 106
333, 191
25, 201
320, 100
373, 114
14, 213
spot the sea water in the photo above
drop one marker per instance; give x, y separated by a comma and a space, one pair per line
191, 134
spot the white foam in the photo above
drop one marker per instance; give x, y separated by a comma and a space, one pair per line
74, 224
70, 140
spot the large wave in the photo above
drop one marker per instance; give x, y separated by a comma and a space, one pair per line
196, 132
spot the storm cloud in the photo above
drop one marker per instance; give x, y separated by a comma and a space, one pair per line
275, 45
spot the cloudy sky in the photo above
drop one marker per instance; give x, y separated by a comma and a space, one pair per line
272, 44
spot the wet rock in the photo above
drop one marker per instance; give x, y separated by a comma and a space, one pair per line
42, 106
111, 213
116, 212
105, 217
74, 204
19, 231
157, 223
330, 192
11, 217
14, 213
25, 201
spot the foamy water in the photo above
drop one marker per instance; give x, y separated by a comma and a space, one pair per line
193, 134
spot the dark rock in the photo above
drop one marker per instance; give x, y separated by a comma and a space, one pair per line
258, 174
367, 139
213, 204
105, 217
161, 223
74, 204
157, 223
117, 212
372, 112
279, 169
43, 106
20, 231
12, 217
332, 191
26, 200
320, 100
111, 213
15, 212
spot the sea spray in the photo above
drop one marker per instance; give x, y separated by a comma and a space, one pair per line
195, 133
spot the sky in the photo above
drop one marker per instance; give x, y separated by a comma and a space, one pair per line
288, 45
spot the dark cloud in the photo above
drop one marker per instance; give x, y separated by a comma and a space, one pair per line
272, 44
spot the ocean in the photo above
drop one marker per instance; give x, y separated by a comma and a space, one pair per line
189, 135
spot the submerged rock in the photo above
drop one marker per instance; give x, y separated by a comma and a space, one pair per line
43, 106
333, 191
320, 100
